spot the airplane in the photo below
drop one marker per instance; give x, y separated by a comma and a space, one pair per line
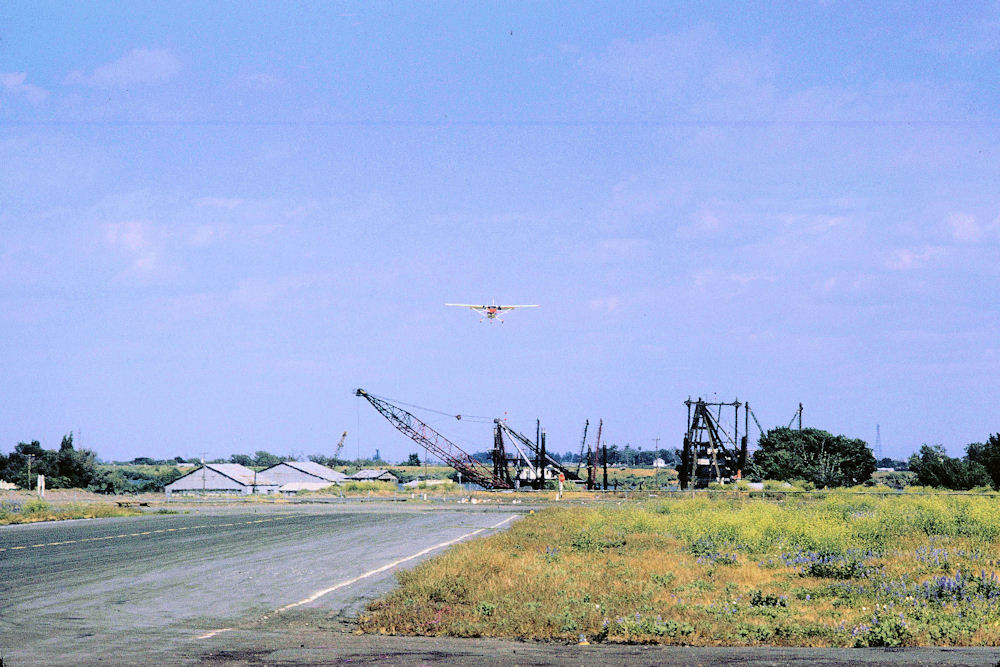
491, 311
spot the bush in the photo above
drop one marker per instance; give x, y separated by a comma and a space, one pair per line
366, 487
935, 468
35, 506
814, 455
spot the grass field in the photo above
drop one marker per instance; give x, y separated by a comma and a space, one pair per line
829, 569
33, 509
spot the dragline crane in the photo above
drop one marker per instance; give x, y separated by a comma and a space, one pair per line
583, 446
340, 445
535, 451
435, 443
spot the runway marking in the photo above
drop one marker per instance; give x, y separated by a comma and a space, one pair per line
147, 532
213, 633
318, 594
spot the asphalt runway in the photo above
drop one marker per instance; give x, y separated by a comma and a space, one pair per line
161, 589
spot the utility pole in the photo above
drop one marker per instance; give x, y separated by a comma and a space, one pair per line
800, 416
541, 453
604, 449
538, 483
203, 484
30, 456
592, 463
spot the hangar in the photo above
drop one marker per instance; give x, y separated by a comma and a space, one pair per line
370, 475
288, 472
222, 478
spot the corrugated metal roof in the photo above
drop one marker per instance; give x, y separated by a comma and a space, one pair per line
369, 473
241, 474
317, 469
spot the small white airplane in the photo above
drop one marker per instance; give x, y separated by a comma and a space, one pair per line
490, 311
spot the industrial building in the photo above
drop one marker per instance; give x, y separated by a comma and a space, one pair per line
313, 475
222, 478
370, 475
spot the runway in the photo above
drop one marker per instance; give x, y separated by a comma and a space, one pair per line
147, 589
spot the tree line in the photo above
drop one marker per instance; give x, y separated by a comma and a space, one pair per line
812, 455
71, 468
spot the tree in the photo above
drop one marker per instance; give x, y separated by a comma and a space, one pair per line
242, 459
414, 460
987, 454
266, 459
109, 481
63, 468
935, 468
76, 467
814, 455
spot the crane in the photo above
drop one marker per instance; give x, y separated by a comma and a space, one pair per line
435, 443
533, 449
340, 445
583, 445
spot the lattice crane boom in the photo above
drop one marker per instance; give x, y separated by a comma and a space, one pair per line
435, 443
533, 448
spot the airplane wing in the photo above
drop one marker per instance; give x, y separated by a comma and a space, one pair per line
466, 305
518, 306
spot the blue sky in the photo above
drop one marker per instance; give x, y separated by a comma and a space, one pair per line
217, 221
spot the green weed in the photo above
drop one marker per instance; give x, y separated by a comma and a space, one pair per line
831, 569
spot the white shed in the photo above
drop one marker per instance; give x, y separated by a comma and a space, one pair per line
373, 475
288, 472
222, 478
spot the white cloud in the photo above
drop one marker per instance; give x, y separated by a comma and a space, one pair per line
251, 295
205, 235
259, 82
605, 305
135, 238
14, 83
302, 210
811, 223
694, 70
667, 58
704, 222
228, 203
971, 229
714, 280
970, 37
631, 202
139, 66
905, 259
619, 249
965, 228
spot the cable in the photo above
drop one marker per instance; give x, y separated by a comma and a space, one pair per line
439, 412
357, 437
754, 415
